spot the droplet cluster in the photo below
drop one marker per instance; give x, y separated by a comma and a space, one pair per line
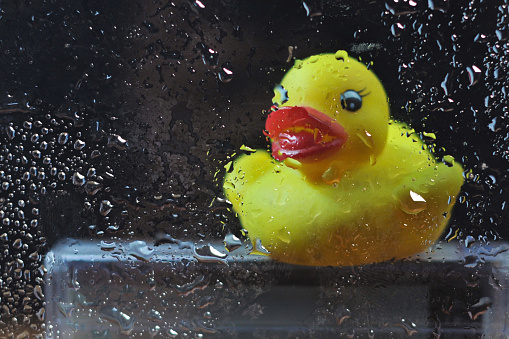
452, 61
51, 141
86, 151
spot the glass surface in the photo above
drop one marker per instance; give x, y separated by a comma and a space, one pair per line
113, 290
117, 120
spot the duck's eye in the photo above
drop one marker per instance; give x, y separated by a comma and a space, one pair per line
351, 100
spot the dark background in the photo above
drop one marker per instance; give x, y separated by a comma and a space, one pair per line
137, 83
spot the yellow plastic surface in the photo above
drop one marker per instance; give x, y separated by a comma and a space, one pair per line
382, 196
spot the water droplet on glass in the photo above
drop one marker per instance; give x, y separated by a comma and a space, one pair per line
117, 141
62, 138
210, 58
34, 256
78, 179
150, 26
11, 133
40, 314
124, 321
172, 333
474, 74
95, 154
140, 250
155, 315
61, 176
226, 72
107, 245
38, 292
209, 254
231, 242
397, 29
26, 176
79, 144
105, 207
313, 9
36, 154
92, 187
17, 244
91, 172
469, 241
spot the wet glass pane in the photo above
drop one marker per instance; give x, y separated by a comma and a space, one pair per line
254, 169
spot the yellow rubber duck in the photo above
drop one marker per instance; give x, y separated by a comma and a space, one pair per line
344, 184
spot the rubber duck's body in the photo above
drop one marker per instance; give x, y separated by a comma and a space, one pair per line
344, 185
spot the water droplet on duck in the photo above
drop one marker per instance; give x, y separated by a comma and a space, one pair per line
314, 58
229, 185
409, 201
284, 235
367, 139
280, 95
292, 163
258, 248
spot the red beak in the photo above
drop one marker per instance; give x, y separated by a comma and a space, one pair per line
303, 132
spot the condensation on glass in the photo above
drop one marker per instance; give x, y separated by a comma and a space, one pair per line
117, 120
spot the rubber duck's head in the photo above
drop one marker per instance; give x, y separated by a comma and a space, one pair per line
332, 114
